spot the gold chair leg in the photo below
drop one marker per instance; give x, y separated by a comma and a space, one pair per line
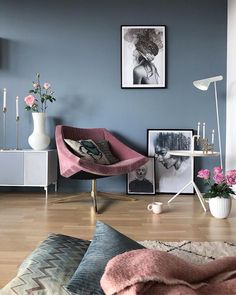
71, 198
114, 196
94, 195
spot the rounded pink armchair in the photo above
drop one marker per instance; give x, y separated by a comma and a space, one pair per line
73, 166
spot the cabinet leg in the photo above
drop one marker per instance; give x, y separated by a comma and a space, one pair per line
46, 192
56, 187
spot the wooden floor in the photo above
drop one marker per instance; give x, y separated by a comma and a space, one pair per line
26, 219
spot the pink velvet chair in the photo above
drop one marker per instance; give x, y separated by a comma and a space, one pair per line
71, 166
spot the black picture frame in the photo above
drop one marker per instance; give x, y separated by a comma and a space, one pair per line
142, 180
172, 172
140, 44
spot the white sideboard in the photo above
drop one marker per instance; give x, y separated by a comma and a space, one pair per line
28, 168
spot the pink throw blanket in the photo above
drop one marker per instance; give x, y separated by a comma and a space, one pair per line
151, 272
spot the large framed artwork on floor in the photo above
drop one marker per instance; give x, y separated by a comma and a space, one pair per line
172, 172
143, 57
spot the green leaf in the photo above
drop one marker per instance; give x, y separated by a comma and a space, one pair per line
35, 107
27, 108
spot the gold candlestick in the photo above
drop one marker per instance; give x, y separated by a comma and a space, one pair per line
4, 127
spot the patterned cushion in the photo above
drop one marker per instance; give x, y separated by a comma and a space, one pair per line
49, 267
88, 150
106, 243
105, 148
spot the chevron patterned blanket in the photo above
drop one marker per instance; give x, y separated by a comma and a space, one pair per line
50, 266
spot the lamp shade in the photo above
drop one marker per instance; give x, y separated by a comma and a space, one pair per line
204, 83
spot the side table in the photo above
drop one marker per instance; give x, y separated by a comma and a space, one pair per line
192, 154
28, 168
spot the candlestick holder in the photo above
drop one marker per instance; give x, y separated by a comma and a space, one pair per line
17, 132
205, 146
4, 127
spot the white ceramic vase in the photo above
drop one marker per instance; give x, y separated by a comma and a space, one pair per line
39, 140
220, 207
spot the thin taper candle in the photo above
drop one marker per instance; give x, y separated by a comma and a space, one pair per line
204, 130
4, 98
198, 129
17, 107
212, 136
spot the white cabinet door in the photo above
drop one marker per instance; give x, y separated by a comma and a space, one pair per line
35, 169
11, 168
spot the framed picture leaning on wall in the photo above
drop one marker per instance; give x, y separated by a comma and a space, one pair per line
142, 180
172, 172
143, 56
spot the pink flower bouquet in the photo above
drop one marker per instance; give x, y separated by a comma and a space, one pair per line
220, 184
44, 93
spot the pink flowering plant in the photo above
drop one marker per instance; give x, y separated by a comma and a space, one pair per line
39, 96
220, 184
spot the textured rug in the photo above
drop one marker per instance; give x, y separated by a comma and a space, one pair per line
196, 252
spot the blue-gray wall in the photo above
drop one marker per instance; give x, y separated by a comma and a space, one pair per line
76, 46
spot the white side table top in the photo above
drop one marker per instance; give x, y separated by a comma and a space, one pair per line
185, 153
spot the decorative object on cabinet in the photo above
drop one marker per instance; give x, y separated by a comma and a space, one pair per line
204, 85
72, 166
4, 110
143, 57
39, 140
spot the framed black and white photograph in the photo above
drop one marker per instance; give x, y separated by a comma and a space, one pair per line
142, 180
143, 56
172, 172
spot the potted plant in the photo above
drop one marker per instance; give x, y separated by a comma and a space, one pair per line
220, 190
37, 101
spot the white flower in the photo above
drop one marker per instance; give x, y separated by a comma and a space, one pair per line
46, 85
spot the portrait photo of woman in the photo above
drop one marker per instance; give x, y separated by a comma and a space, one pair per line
143, 56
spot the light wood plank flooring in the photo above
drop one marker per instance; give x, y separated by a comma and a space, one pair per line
26, 219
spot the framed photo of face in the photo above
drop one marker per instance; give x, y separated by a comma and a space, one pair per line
172, 172
143, 56
142, 180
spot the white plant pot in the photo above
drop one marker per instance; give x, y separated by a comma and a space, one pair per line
39, 140
220, 207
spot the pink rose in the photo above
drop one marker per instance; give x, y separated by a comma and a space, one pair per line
205, 174
217, 170
46, 85
30, 100
219, 178
231, 177
231, 173
230, 180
